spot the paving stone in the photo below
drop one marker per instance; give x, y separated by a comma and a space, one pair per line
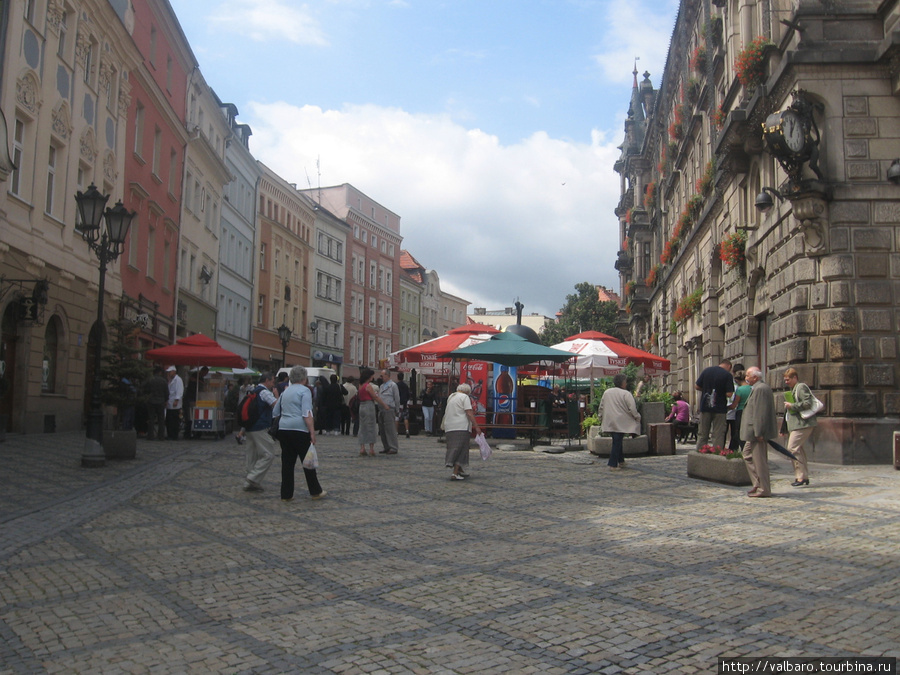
538, 563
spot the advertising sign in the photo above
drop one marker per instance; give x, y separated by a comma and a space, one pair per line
504, 400
475, 374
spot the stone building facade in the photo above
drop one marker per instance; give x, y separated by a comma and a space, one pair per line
709, 271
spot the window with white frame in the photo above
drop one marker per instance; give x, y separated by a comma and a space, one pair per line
328, 287
52, 165
139, 114
15, 177
371, 312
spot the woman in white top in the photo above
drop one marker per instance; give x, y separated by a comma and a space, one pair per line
296, 432
459, 420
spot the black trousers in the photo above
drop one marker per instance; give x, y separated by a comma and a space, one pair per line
173, 423
294, 445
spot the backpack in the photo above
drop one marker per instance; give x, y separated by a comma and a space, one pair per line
248, 409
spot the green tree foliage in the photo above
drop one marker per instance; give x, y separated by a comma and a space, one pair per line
122, 361
583, 311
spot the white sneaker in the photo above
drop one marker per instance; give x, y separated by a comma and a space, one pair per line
456, 476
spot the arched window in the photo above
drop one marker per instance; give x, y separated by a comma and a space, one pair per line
51, 357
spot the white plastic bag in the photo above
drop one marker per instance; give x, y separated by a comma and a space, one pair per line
483, 446
311, 461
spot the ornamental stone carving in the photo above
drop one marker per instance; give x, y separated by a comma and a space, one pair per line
811, 212
124, 95
27, 88
61, 125
88, 146
109, 167
55, 11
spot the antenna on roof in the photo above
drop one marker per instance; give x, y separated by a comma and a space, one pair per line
319, 178
308, 181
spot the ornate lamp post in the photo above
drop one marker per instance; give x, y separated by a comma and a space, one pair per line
284, 334
108, 246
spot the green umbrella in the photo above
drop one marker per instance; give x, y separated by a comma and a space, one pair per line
509, 349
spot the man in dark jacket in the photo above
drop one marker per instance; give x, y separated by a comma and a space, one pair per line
157, 391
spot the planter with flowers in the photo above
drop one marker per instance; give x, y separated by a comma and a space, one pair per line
718, 465
750, 64
732, 249
689, 305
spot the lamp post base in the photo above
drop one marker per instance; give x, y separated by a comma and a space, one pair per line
93, 456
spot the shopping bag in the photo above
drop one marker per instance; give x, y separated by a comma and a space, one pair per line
483, 447
311, 461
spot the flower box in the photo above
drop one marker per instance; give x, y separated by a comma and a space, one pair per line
602, 445
717, 469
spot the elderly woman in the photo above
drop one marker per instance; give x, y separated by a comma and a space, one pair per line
368, 420
459, 420
619, 416
799, 429
296, 432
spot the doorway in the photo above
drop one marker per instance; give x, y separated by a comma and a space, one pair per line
8, 338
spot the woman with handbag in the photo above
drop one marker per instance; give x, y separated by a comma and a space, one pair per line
799, 426
459, 420
296, 434
368, 421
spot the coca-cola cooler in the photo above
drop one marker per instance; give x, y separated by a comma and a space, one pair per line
504, 399
475, 374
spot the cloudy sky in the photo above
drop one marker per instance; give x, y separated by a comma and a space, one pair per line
490, 126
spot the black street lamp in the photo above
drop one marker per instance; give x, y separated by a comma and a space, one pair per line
284, 334
108, 245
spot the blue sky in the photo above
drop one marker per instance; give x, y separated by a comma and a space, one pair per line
490, 127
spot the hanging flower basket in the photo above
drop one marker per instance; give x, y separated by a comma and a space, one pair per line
653, 276
732, 248
719, 117
689, 305
698, 60
750, 64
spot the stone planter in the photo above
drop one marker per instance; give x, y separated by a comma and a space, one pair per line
717, 469
120, 444
602, 446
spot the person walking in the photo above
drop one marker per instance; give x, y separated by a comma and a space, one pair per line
260, 450
173, 403
403, 390
459, 421
390, 395
738, 403
334, 399
346, 416
368, 424
799, 429
296, 433
619, 416
156, 389
758, 425
715, 384
428, 401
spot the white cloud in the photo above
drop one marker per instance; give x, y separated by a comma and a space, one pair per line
497, 222
266, 20
635, 29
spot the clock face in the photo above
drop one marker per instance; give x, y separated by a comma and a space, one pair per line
792, 129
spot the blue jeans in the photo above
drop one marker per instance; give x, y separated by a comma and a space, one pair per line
616, 455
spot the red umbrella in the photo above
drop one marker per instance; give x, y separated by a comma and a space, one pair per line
437, 348
196, 350
594, 350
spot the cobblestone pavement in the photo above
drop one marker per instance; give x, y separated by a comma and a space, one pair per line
537, 563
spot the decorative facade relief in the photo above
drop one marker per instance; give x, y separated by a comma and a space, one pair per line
124, 95
62, 126
55, 11
27, 92
88, 146
109, 167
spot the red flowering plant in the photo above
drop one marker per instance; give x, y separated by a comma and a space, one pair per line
651, 193
698, 59
721, 452
629, 288
653, 276
705, 182
695, 206
731, 249
689, 305
719, 117
684, 224
750, 64
670, 250
628, 216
